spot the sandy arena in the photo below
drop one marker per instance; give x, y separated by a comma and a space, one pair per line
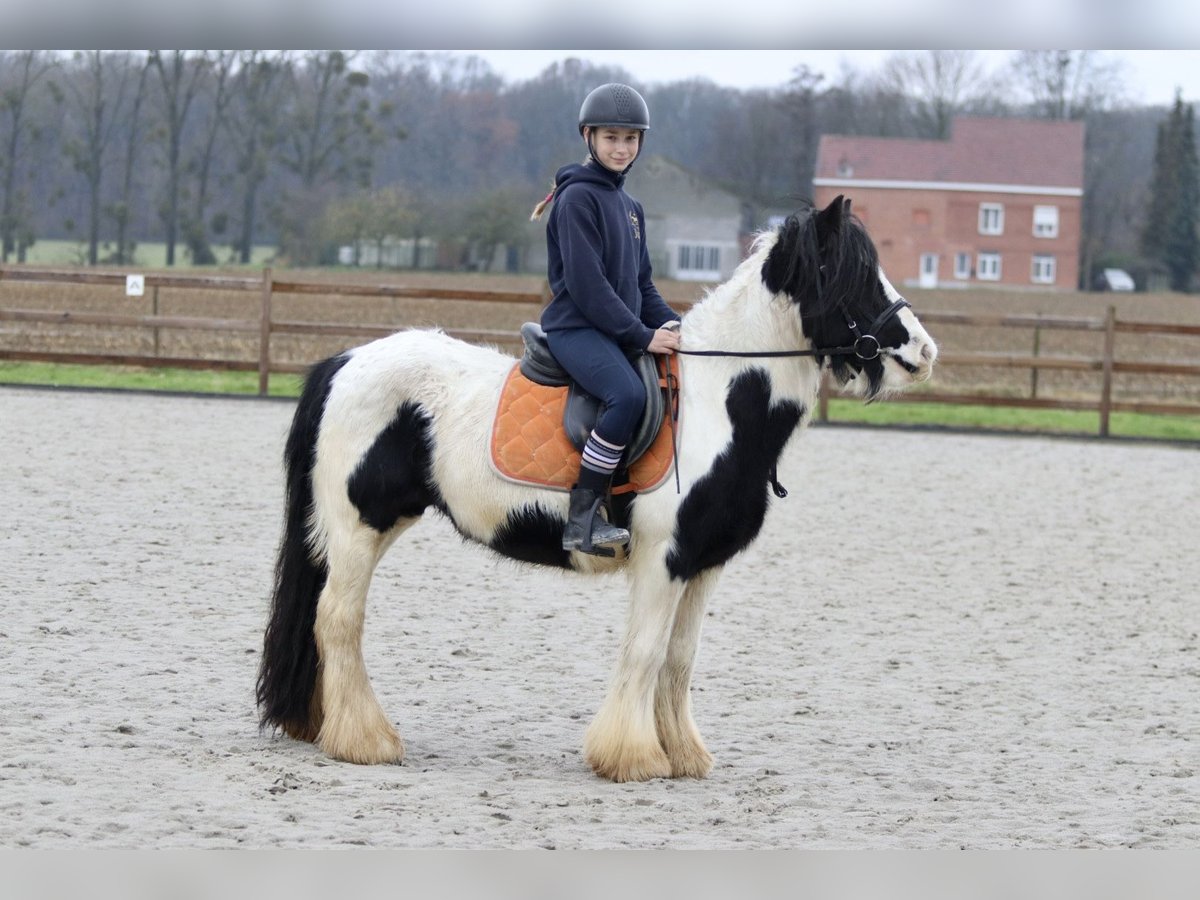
939, 641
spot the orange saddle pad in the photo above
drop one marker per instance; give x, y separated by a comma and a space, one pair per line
530, 445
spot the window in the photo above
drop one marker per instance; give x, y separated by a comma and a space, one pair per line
698, 262
699, 256
991, 218
987, 267
962, 266
1043, 270
1045, 221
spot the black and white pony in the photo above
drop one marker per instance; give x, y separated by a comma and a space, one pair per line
387, 430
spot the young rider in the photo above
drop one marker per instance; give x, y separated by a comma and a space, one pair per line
604, 302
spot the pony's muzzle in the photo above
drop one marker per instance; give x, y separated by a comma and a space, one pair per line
925, 363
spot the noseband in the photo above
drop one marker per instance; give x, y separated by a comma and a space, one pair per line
866, 346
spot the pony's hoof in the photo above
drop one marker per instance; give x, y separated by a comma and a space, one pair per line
629, 764
695, 763
378, 746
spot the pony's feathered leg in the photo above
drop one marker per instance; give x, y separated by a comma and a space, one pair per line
622, 742
672, 700
354, 728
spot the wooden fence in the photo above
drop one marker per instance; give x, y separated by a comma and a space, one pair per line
266, 325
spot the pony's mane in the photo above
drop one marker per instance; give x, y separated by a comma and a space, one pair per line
822, 270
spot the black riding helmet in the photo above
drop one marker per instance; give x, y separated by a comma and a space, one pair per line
617, 106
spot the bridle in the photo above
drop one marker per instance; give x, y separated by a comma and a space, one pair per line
866, 344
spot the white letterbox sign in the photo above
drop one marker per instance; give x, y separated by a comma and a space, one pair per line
135, 285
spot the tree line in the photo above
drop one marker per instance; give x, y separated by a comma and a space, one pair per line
212, 152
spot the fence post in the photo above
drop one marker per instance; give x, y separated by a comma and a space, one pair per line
154, 312
1110, 334
1033, 372
823, 397
264, 335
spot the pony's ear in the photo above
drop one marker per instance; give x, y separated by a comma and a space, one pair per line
829, 220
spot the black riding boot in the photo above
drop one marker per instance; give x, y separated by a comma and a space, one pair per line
587, 531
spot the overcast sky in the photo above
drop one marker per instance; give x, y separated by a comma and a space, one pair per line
759, 30
1152, 75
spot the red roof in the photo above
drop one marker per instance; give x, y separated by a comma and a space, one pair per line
980, 151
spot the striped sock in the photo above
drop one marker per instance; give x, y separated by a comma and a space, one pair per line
600, 456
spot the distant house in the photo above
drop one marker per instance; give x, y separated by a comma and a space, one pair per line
998, 203
391, 253
693, 227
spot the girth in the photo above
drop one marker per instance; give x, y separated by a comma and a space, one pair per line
582, 409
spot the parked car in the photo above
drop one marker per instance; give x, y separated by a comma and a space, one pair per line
1116, 280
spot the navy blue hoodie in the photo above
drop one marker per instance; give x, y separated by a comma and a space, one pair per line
599, 269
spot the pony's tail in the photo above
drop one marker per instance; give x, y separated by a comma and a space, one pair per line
288, 673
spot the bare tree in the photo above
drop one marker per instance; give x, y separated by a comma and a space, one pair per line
97, 90
252, 125
179, 78
218, 68
939, 81
855, 104
801, 98
19, 74
325, 116
121, 211
1066, 84
328, 134
756, 149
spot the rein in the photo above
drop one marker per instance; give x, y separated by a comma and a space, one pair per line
866, 346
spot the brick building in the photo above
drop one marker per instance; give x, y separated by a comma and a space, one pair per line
998, 203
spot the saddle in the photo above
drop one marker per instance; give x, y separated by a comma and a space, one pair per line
544, 419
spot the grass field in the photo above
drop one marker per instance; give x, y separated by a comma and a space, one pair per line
966, 417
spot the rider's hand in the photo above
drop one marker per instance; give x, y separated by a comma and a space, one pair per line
665, 340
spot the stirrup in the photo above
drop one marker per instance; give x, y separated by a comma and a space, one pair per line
587, 518
586, 545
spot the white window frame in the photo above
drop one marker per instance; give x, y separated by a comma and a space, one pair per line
991, 218
962, 266
987, 267
1045, 221
1043, 269
697, 261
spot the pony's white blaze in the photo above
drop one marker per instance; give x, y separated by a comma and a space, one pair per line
402, 424
920, 351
